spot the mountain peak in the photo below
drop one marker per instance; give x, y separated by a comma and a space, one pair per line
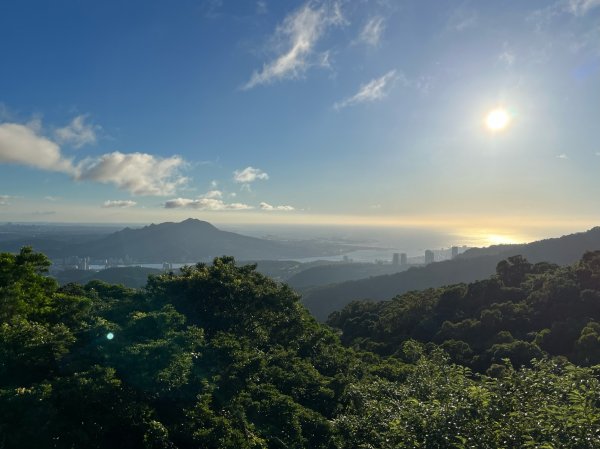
196, 222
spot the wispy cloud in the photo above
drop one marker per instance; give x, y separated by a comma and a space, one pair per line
372, 31
262, 7
52, 199
4, 200
295, 38
138, 173
248, 175
374, 90
270, 208
462, 19
121, 204
507, 57
581, 7
77, 133
562, 156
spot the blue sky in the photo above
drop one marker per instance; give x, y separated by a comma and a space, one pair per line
355, 112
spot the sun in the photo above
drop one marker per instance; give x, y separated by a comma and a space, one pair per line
497, 119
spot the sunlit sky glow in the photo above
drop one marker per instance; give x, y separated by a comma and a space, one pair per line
366, 113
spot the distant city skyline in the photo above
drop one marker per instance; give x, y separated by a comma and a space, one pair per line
478, 118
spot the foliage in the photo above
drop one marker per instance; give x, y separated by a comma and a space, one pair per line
221, 356
525, 312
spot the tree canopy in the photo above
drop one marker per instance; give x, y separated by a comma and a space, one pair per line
220, 356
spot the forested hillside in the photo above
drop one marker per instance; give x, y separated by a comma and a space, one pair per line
525, 311
474, 264
221, 356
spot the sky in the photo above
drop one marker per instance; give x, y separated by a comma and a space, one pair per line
321, 112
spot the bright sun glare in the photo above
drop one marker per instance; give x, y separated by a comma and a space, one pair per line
497, 119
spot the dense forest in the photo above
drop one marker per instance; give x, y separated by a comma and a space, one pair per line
220, 356
524, 312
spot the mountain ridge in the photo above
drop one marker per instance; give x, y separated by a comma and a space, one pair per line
473, 265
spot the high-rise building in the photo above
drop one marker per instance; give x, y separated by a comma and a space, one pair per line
395, 259
454, 252
403, 259
429, 257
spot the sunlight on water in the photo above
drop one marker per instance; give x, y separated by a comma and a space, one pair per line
110, 336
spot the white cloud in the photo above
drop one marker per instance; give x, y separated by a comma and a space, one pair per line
21, 144
597, 153
138, 173
581, 7
52, 198
562, 156
268, 207
374, 90
213, 194
77, 133
372, 31
204, 204
249, 174
4, 200
295, 39
211, 200
118, 203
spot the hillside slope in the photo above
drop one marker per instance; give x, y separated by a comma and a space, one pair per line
473, 265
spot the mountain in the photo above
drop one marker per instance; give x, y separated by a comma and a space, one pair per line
189, 241
474, 264
194, 240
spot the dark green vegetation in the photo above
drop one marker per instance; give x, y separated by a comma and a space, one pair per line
470, 266
133, 277
338, 272
220, 356
524, 312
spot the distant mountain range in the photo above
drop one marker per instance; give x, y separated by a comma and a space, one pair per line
474, 264
189, 241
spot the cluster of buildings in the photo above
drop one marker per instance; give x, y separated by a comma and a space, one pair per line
401, 259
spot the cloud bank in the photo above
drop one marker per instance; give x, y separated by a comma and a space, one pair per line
211, 204
118, 204
137, 173
269, 208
